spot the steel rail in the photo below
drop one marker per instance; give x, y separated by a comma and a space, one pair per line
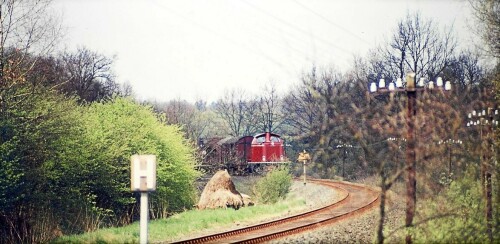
297, 223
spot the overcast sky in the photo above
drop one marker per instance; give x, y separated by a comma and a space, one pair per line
193, 50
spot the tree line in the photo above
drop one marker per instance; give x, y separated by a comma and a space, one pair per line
67, 131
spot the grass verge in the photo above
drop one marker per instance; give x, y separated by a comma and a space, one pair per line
192, 223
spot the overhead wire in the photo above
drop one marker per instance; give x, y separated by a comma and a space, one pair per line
286, 23
224, 37
270, 40
254, 49
288, 36
330, 21
355, 147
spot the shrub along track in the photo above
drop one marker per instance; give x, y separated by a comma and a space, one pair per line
357, 200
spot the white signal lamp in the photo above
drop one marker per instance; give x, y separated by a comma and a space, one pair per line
399, 83
381, 83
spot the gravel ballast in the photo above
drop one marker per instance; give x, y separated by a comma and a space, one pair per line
358, 229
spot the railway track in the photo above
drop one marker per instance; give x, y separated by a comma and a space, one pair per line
357, 200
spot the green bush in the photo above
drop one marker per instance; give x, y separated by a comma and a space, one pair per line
274, 186
118, 129
457, 216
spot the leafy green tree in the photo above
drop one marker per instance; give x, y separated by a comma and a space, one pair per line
116, 130
32, 137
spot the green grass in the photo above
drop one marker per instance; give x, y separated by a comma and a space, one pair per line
191, 223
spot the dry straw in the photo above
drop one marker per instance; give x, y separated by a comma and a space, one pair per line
220, 192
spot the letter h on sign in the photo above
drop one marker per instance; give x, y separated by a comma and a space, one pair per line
143, 173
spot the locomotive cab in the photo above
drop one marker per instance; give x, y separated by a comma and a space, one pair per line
266, 148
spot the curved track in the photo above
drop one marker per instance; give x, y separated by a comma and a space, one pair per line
357, 200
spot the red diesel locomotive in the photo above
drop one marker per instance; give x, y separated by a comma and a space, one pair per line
244, 155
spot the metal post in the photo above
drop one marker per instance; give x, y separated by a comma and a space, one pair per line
343, 162
411, 182
304, 172
489, 206
144, 218
143, 180
449, 164
482, 158
304, 156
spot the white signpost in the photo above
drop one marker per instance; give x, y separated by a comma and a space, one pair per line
143, 180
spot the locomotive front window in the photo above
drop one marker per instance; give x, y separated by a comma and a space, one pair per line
261, 139
275, 139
